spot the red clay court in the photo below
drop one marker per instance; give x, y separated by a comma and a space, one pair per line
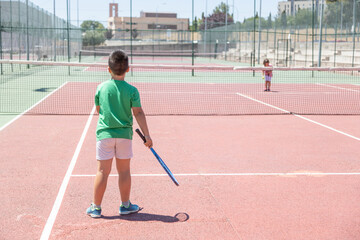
274, 174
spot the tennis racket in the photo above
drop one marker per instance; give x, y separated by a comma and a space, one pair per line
167, 170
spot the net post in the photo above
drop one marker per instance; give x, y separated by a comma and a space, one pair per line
216, 47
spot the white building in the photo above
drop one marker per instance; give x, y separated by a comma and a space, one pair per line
285, 6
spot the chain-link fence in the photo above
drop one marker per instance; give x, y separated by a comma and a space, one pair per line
326, 36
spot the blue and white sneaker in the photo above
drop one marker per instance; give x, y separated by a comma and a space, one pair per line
93, 212
131, 209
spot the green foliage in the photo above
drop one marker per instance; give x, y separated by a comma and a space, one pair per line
94, 33
216, 19
109, 34
333, 13
91, 25
221, 8
93, 37
248, 23
302, 18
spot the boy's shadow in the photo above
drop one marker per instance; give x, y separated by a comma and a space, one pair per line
144, 217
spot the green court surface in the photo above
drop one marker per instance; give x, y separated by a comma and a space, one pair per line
22, 86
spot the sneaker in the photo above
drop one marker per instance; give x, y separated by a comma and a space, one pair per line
93, 212
265, 90
131, 209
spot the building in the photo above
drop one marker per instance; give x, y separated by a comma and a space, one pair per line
147, 21
285, 6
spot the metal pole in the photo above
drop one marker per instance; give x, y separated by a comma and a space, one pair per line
192, 39
254, 50
11, 32
354, 31
68, 31
259, 34
226, 23
27, 33
78, 25
20, 30
54, 17
321, 27
341, 17
275, 42
11, 35
336, 29
131, 47
206, 2
312, 37
306, 44
1, 50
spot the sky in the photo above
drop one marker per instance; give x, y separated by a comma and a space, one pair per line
99, 9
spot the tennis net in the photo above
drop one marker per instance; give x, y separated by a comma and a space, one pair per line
34, 87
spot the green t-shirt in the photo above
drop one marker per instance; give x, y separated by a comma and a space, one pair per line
116, 98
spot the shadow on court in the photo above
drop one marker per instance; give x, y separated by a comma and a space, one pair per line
146, 217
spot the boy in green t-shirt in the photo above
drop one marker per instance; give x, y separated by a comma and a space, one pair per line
114, 100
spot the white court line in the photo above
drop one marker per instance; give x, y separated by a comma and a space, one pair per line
84, 70
231, 174
18, 116
299, 116
51, 219
232, 93
347, 89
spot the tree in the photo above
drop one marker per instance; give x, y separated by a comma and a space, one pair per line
92, 38
283, 19
218, 17
109, 34
91, 25
269, 21
195, 25
93, 33
333, 12
134, 33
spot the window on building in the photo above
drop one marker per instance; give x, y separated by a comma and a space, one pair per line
162, 26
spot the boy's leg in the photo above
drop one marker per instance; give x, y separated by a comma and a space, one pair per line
102, 174
123, 168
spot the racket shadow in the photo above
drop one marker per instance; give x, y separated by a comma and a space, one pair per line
149, 217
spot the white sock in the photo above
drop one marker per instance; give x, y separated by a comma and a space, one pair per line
95, 206
126, 204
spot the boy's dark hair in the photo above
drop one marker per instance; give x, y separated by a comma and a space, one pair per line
266, 61
118, 62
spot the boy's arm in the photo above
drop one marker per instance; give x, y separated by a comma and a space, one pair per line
141, 120
98, 109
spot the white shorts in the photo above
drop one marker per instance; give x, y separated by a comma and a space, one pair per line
109, 148
267, 78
